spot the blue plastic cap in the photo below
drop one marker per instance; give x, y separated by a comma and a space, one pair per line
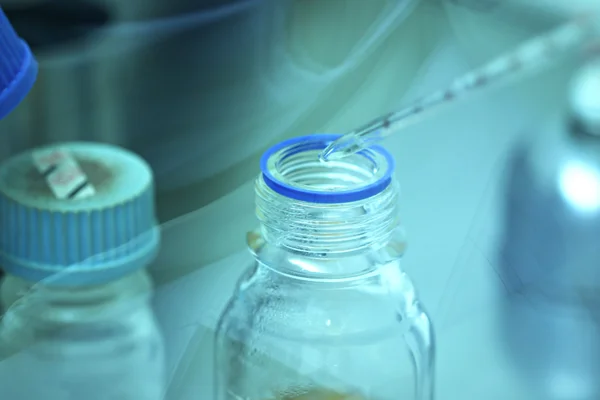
18, 68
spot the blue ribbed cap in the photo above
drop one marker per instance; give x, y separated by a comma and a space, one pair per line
18, 68
77, 213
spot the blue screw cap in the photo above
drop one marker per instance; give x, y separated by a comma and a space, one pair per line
18, 68
76, 214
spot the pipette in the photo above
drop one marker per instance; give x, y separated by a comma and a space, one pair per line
529, 56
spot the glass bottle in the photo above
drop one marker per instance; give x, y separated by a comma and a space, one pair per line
77, 231
326, 312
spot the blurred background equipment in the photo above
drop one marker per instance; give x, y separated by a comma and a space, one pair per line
549, 256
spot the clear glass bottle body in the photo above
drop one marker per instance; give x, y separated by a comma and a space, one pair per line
326, 312
95, 342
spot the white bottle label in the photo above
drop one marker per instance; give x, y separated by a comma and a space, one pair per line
63, 174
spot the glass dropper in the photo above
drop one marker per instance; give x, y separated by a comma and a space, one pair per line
533, 54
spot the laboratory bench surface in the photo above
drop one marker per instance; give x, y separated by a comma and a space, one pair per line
450, 169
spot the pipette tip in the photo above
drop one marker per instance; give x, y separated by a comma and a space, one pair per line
340, 148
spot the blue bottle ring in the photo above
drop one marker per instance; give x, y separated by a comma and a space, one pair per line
319, 142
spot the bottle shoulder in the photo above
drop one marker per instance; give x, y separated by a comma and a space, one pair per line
376, 303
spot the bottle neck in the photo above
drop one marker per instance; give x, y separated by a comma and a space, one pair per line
328, 230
